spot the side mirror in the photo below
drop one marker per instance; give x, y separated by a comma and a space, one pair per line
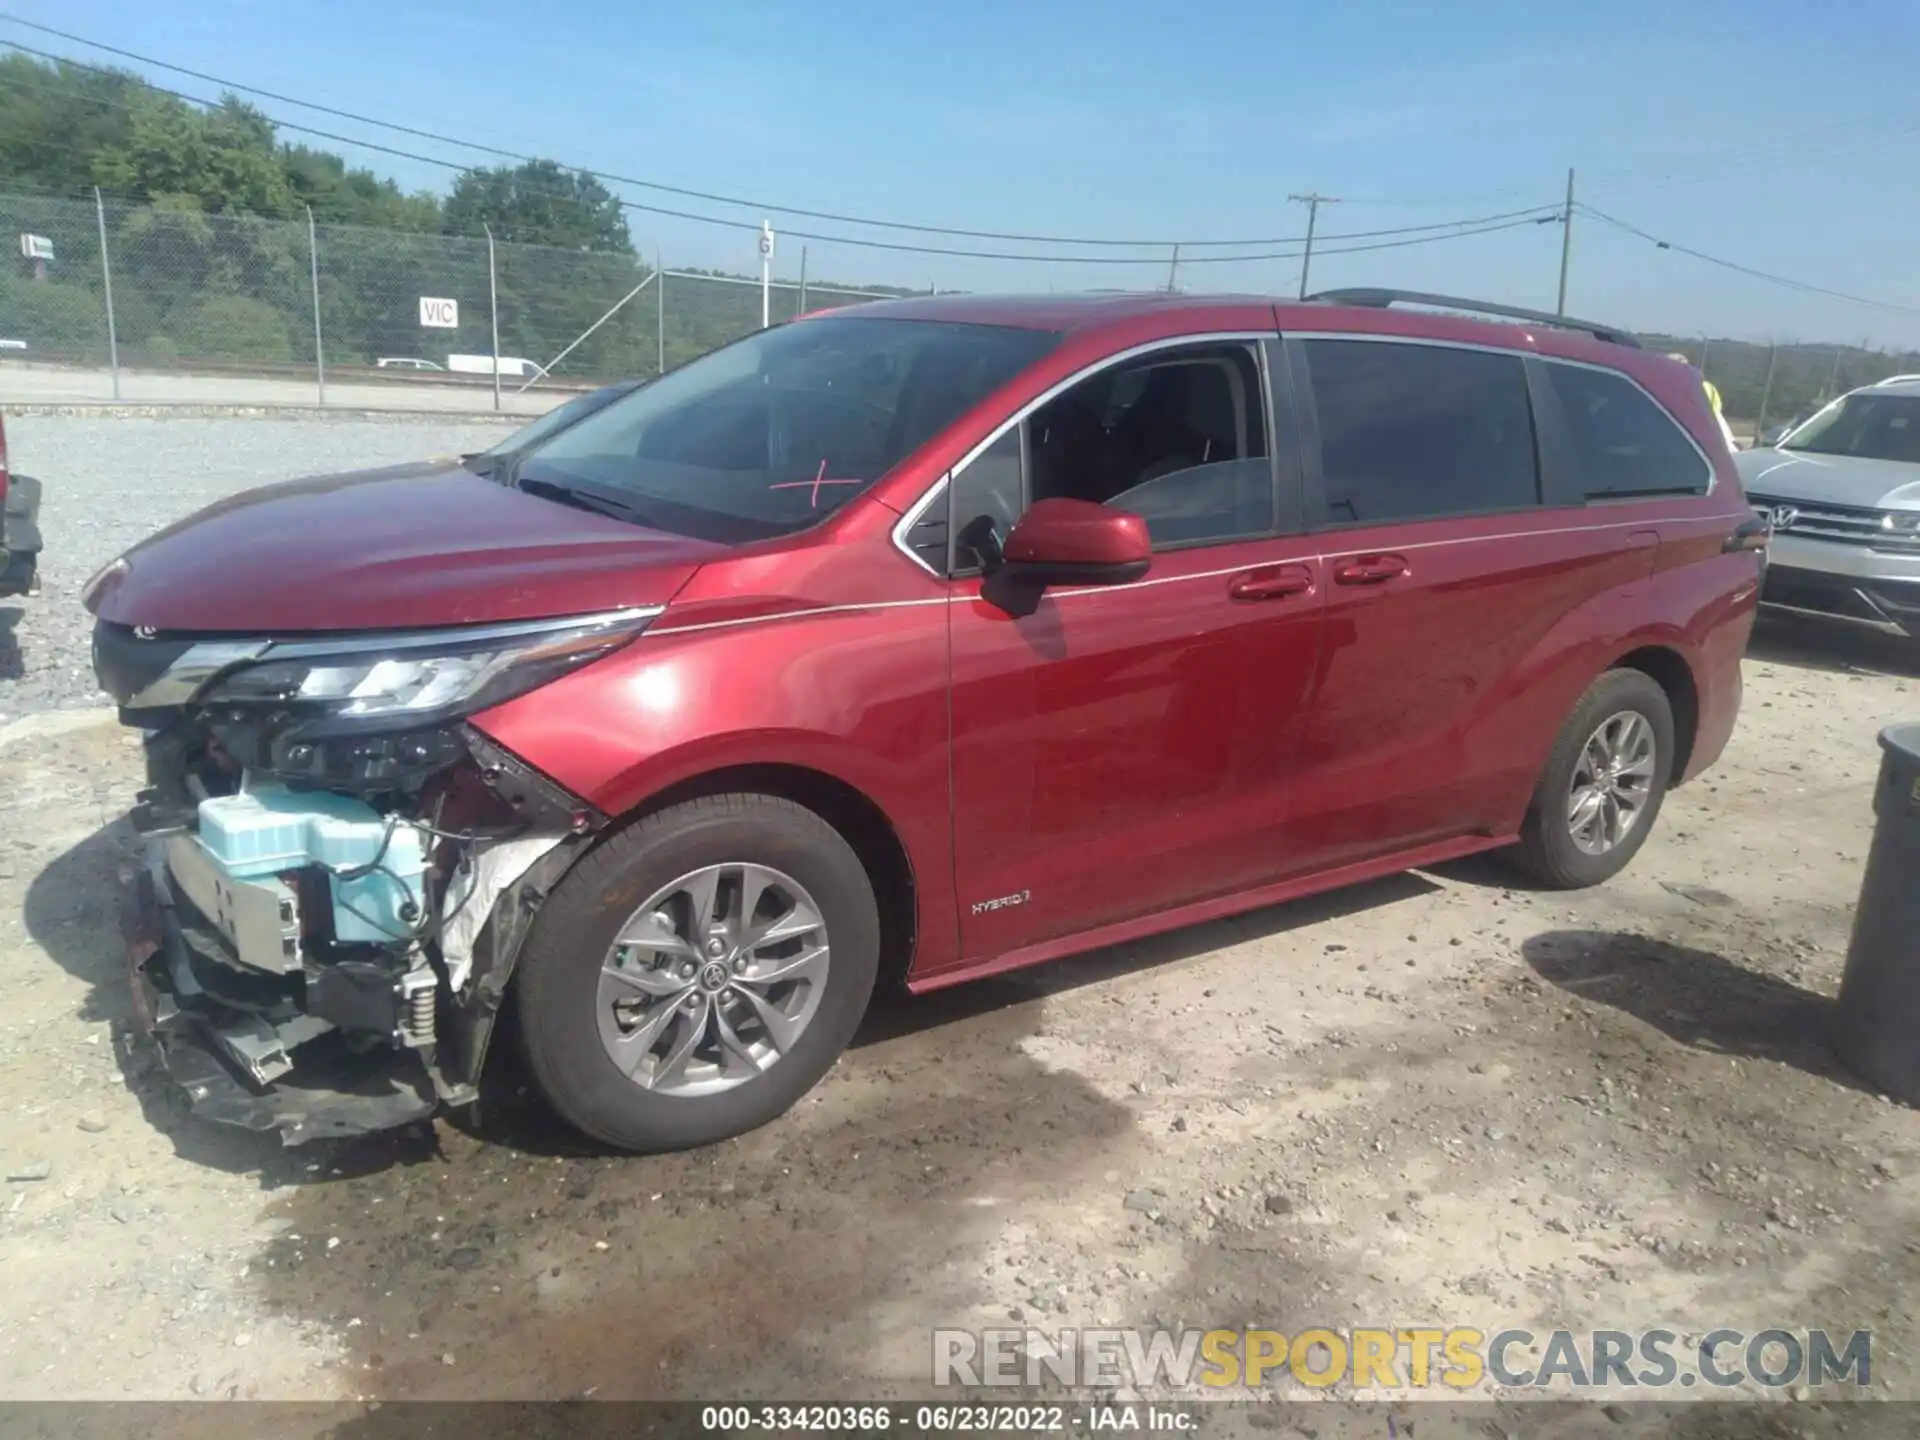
1075, 542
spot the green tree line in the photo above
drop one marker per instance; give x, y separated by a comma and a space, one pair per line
206, 214
206, 218
1804, 377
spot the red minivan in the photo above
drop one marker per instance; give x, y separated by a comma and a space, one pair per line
914, 641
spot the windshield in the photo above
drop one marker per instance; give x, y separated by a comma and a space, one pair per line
1871, 427
561, 416
777, 431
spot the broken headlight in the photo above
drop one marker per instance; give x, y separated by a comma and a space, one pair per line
392, 680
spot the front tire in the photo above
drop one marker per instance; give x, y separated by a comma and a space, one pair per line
698, 973
1602, 786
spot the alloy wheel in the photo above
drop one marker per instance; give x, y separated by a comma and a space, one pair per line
1612, 782
712, 980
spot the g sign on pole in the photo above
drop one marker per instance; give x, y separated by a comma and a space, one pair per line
766, 273
439, 314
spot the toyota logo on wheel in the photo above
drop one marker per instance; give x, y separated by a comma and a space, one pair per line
1781, 517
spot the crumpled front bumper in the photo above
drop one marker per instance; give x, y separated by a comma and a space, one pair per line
354, 1096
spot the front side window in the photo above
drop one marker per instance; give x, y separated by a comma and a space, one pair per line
1623, 442
1410, 432
771, 434
1178, 438
1867, 426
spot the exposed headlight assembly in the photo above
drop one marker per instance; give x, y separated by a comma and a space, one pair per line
391, 680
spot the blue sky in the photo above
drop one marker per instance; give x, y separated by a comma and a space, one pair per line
1782, 136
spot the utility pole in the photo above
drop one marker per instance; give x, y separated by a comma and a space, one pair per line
1173, 271
1313, 200
319, 349
106, 278
1566, 244
1833, 381
1766, 395
493, 311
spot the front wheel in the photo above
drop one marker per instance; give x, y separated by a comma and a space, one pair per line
1602, 786
699, 972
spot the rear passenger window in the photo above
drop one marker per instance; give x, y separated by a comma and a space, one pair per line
1413, 431
1624, 442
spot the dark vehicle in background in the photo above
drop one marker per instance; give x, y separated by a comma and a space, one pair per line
19, 528
498, 459
1842, 493
914, 642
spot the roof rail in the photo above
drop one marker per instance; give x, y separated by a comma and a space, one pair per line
1897, 380
1381, 299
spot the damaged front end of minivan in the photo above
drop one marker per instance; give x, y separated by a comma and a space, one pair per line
337, 869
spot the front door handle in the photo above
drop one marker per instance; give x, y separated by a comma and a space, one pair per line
1370, 569
1274, 584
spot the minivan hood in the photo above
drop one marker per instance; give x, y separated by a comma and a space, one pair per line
407, 547
1836, 479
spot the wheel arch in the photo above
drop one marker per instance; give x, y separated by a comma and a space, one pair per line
859, 819
1671, 671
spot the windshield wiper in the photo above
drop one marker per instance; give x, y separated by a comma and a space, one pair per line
579, 499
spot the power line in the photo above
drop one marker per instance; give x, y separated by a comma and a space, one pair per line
1418, 234
1802, 285
1549, 217
709, 196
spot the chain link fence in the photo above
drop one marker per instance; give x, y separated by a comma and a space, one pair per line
129, 289
114, 294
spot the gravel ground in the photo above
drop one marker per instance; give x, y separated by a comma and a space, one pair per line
1440, 1099
111, 482
57, 385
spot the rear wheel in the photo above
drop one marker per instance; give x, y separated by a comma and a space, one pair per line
698, 973
1602, 786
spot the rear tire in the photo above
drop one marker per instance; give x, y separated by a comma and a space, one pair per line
627, 922
1601, 789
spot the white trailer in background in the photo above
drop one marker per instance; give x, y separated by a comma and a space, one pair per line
483, 365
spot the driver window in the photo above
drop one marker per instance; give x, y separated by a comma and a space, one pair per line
1178, 437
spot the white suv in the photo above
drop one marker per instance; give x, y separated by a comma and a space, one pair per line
1842, 491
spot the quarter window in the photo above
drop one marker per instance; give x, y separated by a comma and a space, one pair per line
1624, 443
989, 492
1409, 432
